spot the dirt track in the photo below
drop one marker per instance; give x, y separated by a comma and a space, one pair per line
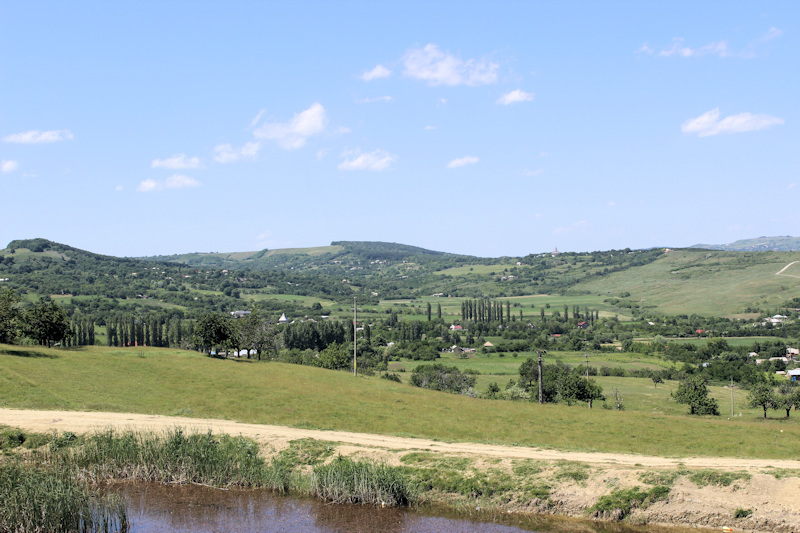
773, 501
83, 422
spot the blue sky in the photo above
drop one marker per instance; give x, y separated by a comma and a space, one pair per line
483, 128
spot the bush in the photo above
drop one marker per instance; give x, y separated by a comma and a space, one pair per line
441, 377
620, 503
347, 481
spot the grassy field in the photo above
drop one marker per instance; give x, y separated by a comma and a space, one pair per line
174, 382
703, 283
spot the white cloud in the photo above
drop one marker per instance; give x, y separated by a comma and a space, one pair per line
377, 160
119, 188
532, 173
39, 137
752, 48
177, 161
514, 97
467, 160
225, 153
256, 119
430, 128
716, 48
378, 72
177, 181
677, 48
709, 123
611, 203
374, 99
791, 186
9, 166
442, 68
148, 185
293, 134
772, 33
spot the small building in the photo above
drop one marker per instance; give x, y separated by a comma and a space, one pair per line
456, 327
283, 319
794, 374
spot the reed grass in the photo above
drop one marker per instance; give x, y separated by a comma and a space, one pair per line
51, 499
347, 481
176, 457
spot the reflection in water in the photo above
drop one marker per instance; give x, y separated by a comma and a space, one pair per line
163, 508
199, 509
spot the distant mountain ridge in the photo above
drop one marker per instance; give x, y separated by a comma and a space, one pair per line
760, 244
338, 251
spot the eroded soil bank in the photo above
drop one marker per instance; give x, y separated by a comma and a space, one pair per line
703, 491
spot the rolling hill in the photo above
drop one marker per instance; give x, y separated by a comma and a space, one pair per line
681, 281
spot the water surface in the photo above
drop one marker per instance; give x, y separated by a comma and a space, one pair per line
166, 508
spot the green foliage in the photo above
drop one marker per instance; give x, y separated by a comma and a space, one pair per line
347, 481
742, 513
212, 330
761, 395
9, 316
46, 323
717, 478
574, 470
391, 376
441, 377
661, 477
694, 392
620, 503
34, 499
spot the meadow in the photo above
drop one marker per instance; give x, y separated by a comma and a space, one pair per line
175, 382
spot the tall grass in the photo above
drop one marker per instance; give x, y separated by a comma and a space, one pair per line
347, 481
176, 457
36, 499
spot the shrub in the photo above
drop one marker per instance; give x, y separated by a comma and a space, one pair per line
620, 503
348, 481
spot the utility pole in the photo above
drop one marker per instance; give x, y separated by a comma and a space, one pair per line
586, 356
541, 390
355, 326
731, 396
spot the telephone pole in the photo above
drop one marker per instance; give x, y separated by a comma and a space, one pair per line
355, 326
541, 390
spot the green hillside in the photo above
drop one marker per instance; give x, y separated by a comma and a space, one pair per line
685, 281
705, 282
760, 244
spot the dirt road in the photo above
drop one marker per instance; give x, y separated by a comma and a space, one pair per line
83, 422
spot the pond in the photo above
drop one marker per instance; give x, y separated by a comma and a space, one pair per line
166, 508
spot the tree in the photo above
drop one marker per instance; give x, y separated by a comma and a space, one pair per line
256, 334
439, 311
788, 396
574, 387
694, 392
656, 377
429, 311
761, 395
46, 323
9, 316
211, 330
441, 377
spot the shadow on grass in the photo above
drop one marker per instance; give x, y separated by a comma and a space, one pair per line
27, 353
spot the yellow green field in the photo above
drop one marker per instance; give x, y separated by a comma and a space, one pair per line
166, 381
